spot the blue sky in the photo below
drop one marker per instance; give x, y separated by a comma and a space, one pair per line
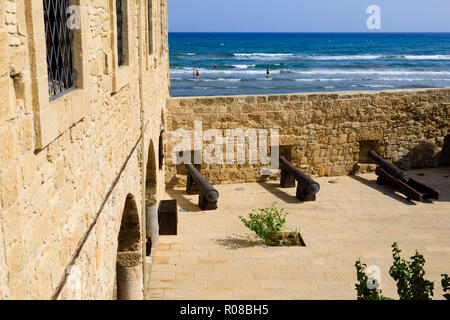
306, 15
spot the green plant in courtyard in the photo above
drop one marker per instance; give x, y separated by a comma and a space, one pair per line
267, 223
409, 275
446, 285
411, 284
366, 288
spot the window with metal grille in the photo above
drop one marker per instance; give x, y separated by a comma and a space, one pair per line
59, 40
119, 16
149, 8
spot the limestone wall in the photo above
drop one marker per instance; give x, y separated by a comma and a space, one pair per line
68, 165
325, 134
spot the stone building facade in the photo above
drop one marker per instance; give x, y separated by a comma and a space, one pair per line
324, 134
78, 168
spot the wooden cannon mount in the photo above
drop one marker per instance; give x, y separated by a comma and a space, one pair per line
306, 187
197, 184
389, 174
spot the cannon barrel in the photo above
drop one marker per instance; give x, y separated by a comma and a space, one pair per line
388, 167
307, 183
203, 185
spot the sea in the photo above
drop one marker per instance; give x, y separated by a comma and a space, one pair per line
306, 62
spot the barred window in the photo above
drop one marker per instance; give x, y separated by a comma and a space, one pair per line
119, 15
59, 40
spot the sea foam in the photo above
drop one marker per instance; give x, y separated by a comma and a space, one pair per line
277, 56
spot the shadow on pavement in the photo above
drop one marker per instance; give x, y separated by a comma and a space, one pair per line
235, 241
384, 189
277, 191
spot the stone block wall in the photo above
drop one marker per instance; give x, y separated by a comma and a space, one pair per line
324, 134
67, 166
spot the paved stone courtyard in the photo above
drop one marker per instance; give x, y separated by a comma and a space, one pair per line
216, 257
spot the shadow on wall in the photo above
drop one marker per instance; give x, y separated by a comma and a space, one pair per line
425, 154
445, 153
150, 181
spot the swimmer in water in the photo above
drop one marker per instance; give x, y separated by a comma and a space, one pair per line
215, 66
197, 74
268, 71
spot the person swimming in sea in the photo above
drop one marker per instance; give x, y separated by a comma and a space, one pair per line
215, 66
268, 71
195, 74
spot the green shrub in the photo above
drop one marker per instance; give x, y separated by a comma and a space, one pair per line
364, 292
267, 223
409, 276
411, 284
446, 286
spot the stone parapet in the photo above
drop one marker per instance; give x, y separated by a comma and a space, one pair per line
323, 134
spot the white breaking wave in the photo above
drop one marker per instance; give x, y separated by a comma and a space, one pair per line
365, 72
187, 71
226, 72
219, 79
355, 57
429, 57
374, 57
267, 56
263, 56
374, 79
243, 66
231, 80
322, 79
412, 79
376, 86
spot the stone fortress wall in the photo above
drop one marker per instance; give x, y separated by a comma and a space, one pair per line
74, 171
324, 134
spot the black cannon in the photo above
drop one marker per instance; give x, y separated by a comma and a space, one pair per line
389, 174
306, 187
197, 184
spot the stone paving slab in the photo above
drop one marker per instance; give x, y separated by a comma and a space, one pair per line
215, 257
